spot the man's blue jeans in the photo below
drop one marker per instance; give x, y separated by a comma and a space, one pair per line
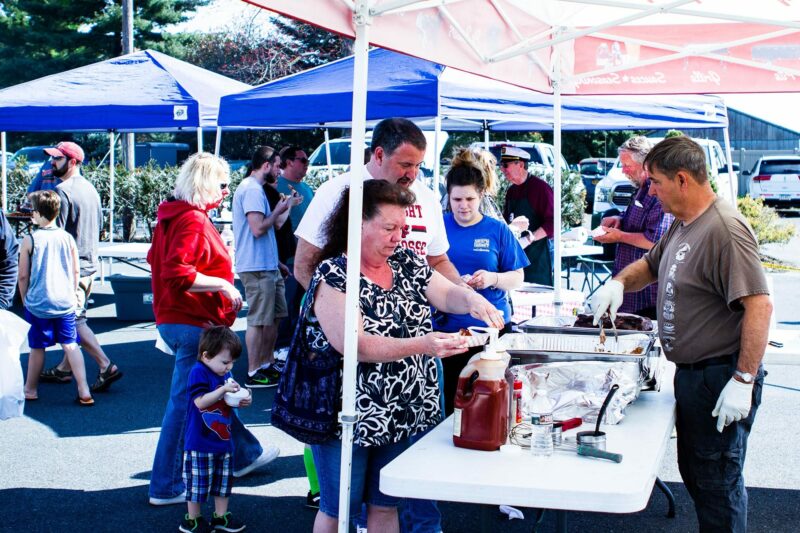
166, 480
711, 462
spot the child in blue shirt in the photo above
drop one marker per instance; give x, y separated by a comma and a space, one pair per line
208, 448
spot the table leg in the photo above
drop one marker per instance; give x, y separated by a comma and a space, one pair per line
561, 521
670, 497
486, 517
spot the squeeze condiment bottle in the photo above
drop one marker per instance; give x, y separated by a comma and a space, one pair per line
481, 414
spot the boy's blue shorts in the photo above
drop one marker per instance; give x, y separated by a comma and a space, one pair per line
46, 332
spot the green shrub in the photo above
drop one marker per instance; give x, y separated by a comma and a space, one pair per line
765, 221
137, 193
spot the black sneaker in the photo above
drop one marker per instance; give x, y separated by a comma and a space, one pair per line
194, 525
312, 500
226, 522
273, 371
261, 380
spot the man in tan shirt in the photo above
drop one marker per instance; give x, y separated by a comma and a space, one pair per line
713, 314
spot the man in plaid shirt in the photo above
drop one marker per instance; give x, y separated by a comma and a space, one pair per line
639, 228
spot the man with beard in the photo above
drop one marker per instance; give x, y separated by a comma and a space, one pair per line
639, 228
81, 217
398, 149
255, 229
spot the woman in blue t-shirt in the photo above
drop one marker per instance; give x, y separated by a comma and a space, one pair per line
483, 249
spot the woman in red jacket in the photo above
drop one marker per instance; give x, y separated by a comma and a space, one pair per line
192, 290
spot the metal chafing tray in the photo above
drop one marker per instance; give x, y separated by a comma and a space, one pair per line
525, 348
564, 325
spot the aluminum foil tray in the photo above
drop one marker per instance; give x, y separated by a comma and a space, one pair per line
555, 347
564, 325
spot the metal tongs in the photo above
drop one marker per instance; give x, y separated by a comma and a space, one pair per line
603, 333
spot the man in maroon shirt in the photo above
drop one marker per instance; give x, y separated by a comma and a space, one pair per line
530, 197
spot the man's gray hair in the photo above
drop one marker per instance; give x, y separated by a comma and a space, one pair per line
638, 147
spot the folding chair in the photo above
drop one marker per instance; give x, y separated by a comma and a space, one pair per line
595, 273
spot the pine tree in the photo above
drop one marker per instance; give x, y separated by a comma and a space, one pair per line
42, 37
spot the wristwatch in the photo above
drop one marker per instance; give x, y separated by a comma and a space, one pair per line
745, 377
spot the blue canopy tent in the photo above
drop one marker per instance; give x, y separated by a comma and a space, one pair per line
438, 97
142, 91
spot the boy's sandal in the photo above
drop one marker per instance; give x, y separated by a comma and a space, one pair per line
31, 398
106, 378
84, 402
54, 375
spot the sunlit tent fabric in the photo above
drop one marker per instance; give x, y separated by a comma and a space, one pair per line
142, 91
403, 86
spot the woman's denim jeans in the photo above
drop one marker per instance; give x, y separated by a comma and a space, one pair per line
166, 480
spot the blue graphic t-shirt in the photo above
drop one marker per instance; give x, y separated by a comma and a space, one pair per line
207, 430
487, 245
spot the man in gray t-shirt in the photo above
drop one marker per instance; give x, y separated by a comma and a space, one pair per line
80, 216
713, 315
256, 263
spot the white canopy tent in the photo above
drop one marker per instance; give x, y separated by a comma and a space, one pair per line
558, 47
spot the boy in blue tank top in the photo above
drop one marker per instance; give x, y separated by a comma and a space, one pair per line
48, 280
208, 445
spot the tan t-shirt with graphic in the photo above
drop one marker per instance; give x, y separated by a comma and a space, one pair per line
703, 269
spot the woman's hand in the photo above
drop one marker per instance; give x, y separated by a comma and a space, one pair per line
611, 235
233, 295
440, 344
483, 279
480, 308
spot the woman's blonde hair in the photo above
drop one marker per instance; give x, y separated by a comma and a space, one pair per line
483, 161
199, 179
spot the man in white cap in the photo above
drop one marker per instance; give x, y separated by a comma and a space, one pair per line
80, 216
530, 197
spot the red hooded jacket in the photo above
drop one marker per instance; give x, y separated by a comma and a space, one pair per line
185, 243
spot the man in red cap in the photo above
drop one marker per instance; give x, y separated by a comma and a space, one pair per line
80, 216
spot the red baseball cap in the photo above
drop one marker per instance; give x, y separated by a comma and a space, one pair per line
66, 149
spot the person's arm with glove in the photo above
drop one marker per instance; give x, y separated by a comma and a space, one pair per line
735, 400
608, 298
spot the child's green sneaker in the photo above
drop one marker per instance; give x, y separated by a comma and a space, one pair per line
195, 525
226, 522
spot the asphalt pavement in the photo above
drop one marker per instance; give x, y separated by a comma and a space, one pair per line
68, 468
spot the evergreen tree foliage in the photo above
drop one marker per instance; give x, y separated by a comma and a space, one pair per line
42, 37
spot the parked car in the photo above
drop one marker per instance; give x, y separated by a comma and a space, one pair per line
34, 157
776, 180
592, 170
614, 192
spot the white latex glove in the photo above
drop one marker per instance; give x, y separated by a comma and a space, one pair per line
608, 298
733, 403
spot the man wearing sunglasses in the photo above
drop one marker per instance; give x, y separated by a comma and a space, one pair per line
294, 167
81, 217
530, 197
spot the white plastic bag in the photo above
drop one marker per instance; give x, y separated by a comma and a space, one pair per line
13, 331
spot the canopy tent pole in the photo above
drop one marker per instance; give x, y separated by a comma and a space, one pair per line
437, 129
733, 183
557, 197
328, 152
111, 176
199, 139
5, 169
347, 417
486, 135
218, 141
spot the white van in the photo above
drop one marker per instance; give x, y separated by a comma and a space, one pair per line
615, 191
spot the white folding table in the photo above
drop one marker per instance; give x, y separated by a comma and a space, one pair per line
435, 469
124, 252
